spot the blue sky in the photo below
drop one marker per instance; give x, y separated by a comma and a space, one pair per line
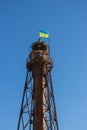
66, 20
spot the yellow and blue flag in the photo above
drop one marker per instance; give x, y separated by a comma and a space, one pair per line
44, 34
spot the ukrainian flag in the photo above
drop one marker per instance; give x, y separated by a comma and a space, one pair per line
44, 34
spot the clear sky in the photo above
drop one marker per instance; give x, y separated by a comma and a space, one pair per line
66, 20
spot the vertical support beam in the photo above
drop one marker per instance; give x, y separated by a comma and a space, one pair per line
39, 98
39, 101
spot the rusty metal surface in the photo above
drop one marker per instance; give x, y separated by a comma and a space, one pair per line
38, 111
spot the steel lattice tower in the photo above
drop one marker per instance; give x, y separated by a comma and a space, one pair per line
38, 111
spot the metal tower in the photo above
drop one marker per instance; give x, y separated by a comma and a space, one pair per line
38, 111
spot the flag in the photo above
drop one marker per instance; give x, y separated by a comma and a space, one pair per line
44, 34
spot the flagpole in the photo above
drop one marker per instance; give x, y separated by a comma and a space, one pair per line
45, 34
49, 44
